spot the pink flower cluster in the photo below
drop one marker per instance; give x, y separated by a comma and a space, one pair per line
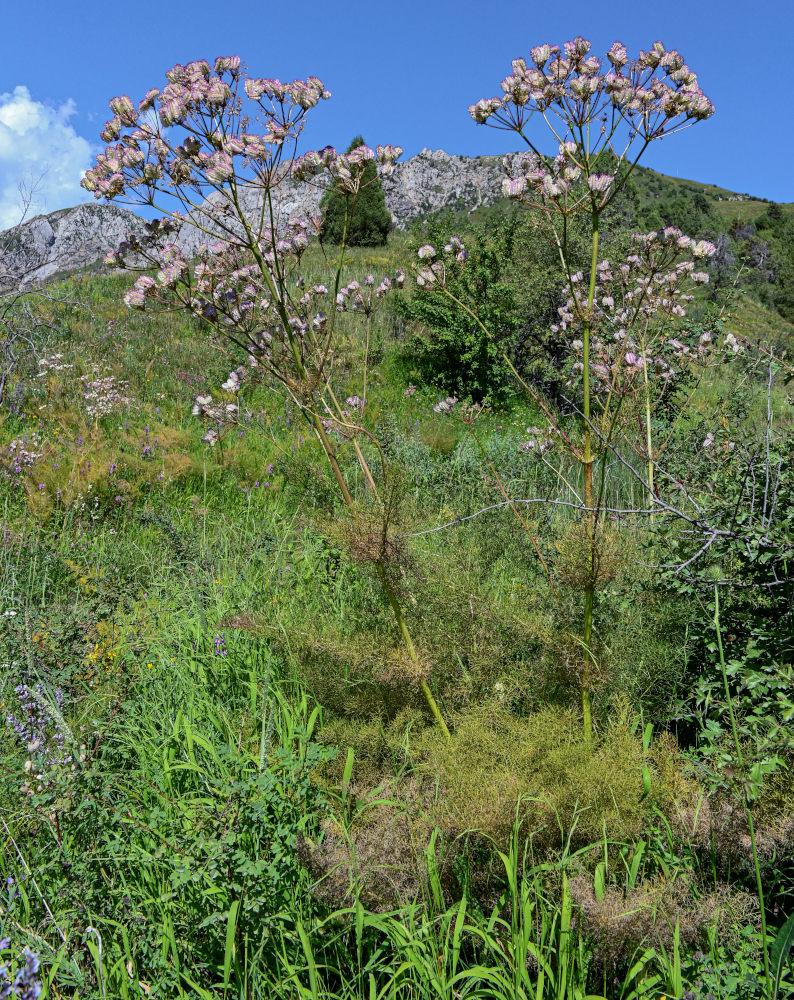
649, 93
347, 169
365, 298
437, 267
555, 181
206, 105
218, 415
192, 141
632, 308
248, 297
603, 106
344, 422
542, 439
444, 406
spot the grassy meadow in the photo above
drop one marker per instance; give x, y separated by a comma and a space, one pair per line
218, 774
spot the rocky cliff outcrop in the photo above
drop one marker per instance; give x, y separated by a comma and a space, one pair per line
434, 180
73, 238
62, 242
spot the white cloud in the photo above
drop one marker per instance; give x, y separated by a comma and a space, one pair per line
38, 146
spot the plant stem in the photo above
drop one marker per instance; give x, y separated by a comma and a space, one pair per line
587, 461
391, 596
649, 440
409, 645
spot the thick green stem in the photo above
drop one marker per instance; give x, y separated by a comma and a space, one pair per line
587, 635
649, 441
592, 514
409, 645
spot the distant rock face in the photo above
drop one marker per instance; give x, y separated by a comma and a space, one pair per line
428, 182
434, 180
61, 242
72, 238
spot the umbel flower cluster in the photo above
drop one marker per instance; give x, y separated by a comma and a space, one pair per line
631, 310
221, 143
613, 102
653, 93
206, 104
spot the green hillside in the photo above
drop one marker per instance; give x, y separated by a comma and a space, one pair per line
408, 622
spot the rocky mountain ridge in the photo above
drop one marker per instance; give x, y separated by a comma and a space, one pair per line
70, 239
47, 246
75, 238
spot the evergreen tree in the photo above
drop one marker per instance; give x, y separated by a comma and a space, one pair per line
368, 222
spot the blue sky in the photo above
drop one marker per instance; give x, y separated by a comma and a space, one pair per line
401, 72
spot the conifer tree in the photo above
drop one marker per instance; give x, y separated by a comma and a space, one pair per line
368, 219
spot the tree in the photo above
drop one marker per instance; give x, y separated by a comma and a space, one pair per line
357, 220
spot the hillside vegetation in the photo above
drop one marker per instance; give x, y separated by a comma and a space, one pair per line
435, 643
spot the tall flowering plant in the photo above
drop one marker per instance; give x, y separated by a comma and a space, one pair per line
213, 151
602, 114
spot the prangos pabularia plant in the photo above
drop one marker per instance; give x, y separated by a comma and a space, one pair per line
222, 145
602, 115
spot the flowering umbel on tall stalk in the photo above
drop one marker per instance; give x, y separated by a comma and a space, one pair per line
220, 144
602, 115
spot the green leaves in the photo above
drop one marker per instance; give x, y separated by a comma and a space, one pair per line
780, 951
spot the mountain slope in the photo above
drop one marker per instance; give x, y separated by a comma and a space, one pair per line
431, 181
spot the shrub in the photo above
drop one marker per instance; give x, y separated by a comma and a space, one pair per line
511, 283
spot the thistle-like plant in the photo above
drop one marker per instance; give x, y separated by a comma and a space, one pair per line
220, 146
602, 115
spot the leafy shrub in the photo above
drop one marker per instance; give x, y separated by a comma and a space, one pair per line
511, 284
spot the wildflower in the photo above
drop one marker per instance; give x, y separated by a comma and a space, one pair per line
445, 405
732, 343
703, 249
599, 183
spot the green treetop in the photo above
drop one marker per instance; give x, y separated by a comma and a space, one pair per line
368, 219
